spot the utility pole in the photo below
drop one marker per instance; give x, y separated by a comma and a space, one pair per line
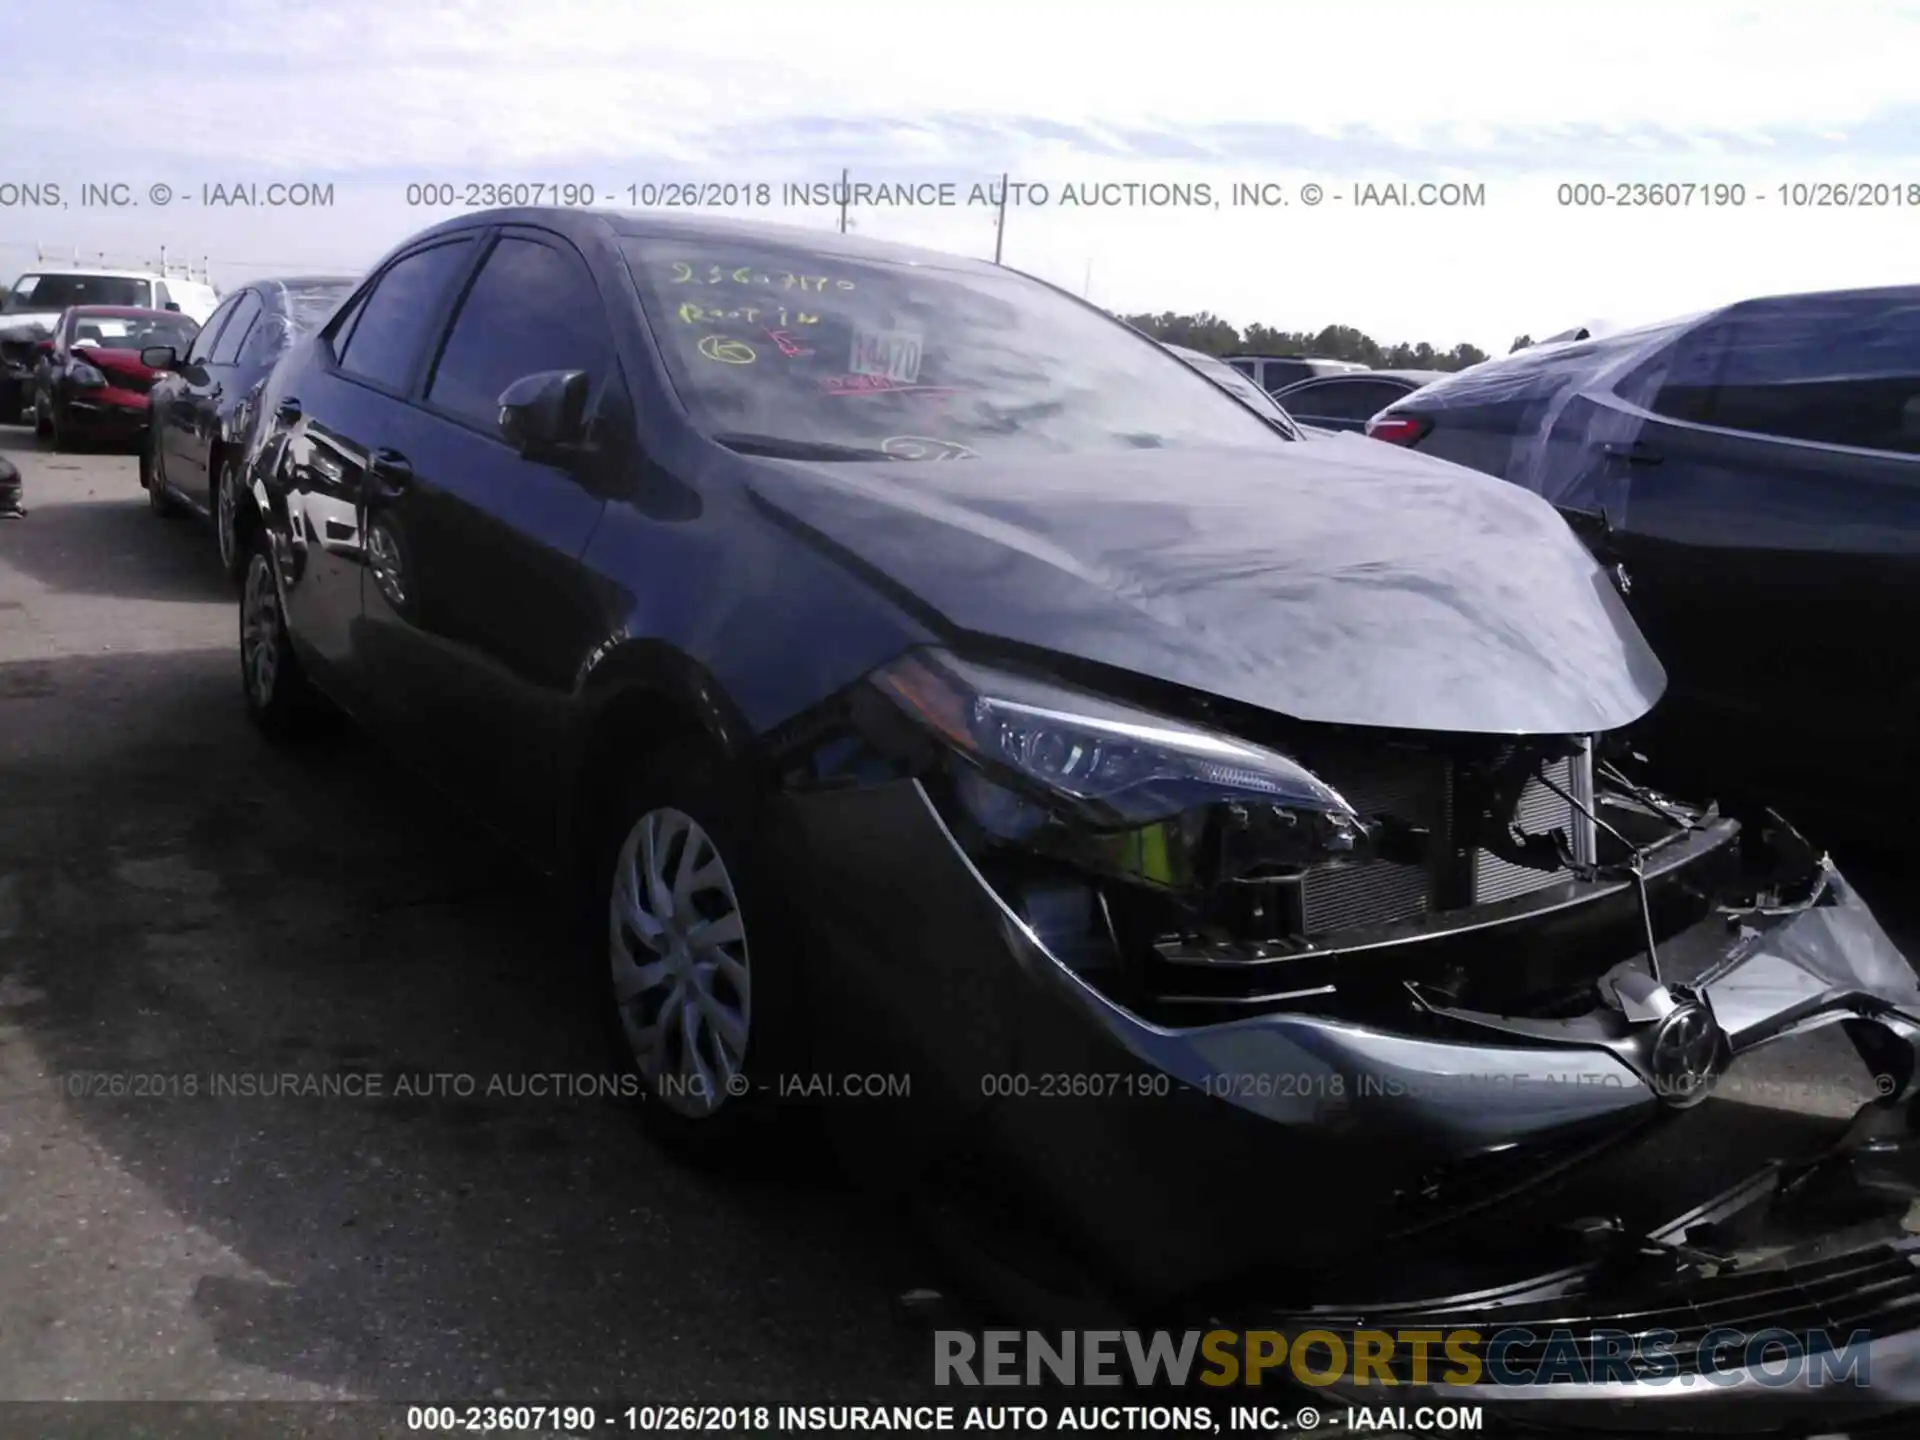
1000, 227
845, 186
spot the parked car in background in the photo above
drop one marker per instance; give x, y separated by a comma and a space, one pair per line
1348, 401
22, 348
33, 304
42, 293
1276, 372
1236, 384
941, 681
203, 404
92, 386
1755, 471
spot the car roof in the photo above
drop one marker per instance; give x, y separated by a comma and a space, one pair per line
302, 282
1415, 378
95, 270
124, 312
622, 224
276, 289
1310, 359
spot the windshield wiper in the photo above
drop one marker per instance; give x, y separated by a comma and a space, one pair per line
786, 448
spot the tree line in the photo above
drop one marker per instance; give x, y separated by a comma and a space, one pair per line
1210, 334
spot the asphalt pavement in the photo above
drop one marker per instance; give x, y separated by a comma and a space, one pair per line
183, 907
188, 918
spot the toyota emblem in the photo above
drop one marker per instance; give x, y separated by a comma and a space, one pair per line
1686, 1055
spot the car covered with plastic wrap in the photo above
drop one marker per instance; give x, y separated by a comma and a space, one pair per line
1753, 473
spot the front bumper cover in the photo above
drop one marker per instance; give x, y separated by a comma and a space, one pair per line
1181, 1185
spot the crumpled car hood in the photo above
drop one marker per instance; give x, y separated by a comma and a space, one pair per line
1343, 581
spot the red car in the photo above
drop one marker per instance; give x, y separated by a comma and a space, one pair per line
92, 384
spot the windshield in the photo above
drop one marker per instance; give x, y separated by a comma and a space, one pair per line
1223, 374
57, 292
780, 345
133, 332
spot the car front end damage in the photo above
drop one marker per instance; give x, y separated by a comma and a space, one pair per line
1310, 1026
22, 345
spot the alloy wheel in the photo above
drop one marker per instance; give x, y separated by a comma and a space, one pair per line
225, 511
260, 632
157, 498
678, 952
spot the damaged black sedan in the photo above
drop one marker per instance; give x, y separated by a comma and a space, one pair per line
1237, 844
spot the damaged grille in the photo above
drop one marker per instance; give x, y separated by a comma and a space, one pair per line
1418, 789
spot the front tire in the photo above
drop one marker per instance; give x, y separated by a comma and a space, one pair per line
699, 993
154, 473
64, 440
227, 529
279, 698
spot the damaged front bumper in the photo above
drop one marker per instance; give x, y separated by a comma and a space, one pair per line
1788, 1305
1304, 1167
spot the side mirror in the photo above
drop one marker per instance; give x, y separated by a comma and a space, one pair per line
544, 413
159, 357
174, 306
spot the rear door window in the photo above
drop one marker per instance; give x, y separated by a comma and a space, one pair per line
1344, 399
269, 338
235, 333
1833, 369
209, 336
393, 322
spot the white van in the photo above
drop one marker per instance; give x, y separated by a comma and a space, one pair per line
42, 293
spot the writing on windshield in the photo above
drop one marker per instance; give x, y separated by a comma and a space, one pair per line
779, 342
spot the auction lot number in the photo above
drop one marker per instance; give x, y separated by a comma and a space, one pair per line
584, 1419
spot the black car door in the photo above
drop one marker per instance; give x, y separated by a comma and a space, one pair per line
1760, 480
343, 413
477, 612
209, 391
179, 397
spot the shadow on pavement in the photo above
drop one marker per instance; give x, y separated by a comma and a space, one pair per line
117, 548
190, 906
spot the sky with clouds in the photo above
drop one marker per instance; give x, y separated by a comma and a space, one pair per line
1517, 99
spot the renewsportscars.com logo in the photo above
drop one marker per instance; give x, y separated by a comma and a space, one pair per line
1461, 1358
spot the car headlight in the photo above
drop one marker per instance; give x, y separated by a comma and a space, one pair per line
1125, 790
82, 373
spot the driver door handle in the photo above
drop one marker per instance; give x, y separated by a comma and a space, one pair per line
390, 471
1636, 452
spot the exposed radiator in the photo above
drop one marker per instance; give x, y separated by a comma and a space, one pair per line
1540, 810
1419, 790
1409, 786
